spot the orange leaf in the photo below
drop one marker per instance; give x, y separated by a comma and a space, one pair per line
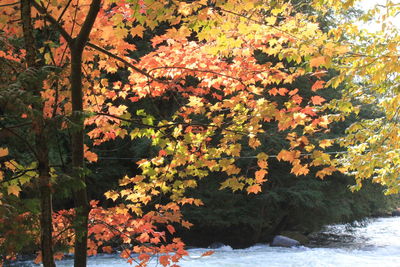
254, 142
207, 253
138, 30
318, 85
13, 189
107, 249
299, 169
273, 91
164, 260
325, 143
90, 156
293, 92
254, 189
3, 152
171, 229
260, 174
317, 61
317, 100
263, 164
38, 258
58, 256
282, 91
288, 155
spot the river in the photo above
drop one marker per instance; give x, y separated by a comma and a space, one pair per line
376, 243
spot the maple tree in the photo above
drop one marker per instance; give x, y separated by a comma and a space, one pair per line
206, 62
369, 72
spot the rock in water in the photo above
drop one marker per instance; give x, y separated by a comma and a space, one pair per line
216, 245
283, 241
396, 212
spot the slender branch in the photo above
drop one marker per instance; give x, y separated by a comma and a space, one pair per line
53, 21
200, 70
17, 176
62, 13
21, 138
11, 4
169, 124
87, 26
108, 53
16, 126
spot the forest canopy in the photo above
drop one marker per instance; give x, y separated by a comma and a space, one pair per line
113, 114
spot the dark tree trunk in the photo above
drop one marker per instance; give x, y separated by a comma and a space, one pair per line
80, 195
77, 46
42, 152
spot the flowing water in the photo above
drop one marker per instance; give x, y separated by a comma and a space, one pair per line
376, 243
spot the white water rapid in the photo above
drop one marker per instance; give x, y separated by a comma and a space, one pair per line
374, 244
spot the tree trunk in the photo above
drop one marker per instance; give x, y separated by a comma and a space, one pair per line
80, 196
39, 128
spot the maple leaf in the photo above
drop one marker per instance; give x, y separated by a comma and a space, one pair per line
3, 152
282, 91
299, 169
325, 171
254, 142
138, 30
260, 174
254, 189
262, 164
325, 143
171, 229
317, 100
288, 155
273, 91
14, 190
317, 61
318, 85
90, 156
207, 253
112, 195
164, 260
107, 249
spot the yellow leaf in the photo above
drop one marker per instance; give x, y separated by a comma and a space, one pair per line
325, 143
112, 195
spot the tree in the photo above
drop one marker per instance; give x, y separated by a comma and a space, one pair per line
205, 61
370, 73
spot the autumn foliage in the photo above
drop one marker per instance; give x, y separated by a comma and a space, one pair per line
228, 67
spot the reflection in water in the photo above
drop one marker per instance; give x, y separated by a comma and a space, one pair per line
374, 244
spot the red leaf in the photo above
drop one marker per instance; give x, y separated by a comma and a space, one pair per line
164, 260
171, 229
162, 153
